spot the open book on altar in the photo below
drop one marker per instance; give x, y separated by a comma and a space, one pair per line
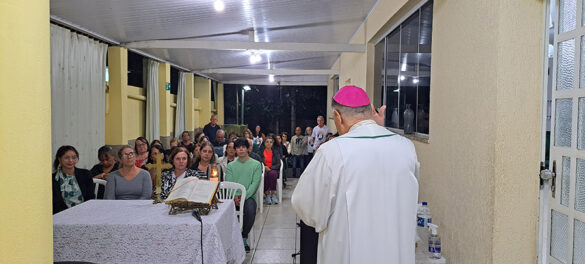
193, 190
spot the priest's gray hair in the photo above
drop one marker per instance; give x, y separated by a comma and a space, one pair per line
362, 112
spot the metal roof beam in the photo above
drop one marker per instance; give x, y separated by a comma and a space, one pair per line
245, 45
270, 71
281, 83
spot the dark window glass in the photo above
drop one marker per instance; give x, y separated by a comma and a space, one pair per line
213, 89
174, 80
135, 69
403, 70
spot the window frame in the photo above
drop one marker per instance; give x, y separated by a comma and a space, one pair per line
424, 137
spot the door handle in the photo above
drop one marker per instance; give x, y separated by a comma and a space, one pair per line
546, 174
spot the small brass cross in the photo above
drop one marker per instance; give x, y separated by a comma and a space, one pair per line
159, 166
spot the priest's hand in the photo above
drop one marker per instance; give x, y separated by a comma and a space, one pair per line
379, 116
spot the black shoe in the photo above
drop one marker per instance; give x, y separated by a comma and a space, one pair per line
247, 248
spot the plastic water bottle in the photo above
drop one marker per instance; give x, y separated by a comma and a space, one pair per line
423, 216
434, 242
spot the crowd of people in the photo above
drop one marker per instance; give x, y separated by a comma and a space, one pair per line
258, 154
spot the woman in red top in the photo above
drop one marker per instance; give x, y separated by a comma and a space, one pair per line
141, 146
271, 159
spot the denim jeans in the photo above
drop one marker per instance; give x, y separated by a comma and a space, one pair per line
298, 162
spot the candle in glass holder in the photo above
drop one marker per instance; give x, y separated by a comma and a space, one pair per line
214, 174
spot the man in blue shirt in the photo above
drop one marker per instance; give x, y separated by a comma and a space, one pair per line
211, 129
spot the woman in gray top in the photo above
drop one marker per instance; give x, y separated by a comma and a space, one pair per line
129, 182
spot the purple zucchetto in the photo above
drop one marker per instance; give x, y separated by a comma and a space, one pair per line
351, 96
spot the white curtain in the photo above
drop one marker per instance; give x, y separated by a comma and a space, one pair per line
180, 111
152, 114
78, 94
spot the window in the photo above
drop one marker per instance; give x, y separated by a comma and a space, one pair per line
174, 80
135, 76
403, 70
213, 89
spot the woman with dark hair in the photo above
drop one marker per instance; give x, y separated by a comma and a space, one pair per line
206, 160
257, 139
228, 156
283, 148
71, 185
195, 154
141, 147
186, 143
285, 142
129, 182
107, 163
102, 170
156, 142
154, 151
180, 159
198, 137
270, 156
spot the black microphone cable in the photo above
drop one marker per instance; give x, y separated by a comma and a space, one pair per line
198, 217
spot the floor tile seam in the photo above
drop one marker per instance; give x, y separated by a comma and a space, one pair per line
260, 235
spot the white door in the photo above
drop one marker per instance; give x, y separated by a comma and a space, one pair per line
566, 203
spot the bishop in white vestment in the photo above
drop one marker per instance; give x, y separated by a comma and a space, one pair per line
360, 191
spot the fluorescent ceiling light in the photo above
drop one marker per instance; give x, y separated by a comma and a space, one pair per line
219, 5
255, 58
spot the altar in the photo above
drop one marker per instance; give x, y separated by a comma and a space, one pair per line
137, 231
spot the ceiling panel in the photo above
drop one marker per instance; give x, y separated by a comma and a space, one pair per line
322, 21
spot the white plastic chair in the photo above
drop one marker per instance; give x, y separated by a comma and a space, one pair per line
260, 192
279, 183
97, 183
227, 191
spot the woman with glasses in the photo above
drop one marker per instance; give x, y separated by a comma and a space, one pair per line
142, 148
180, 159
270, 156
129, 182
71, 185
203, 165
186, 143
228, 156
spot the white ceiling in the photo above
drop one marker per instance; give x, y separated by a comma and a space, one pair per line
288, 21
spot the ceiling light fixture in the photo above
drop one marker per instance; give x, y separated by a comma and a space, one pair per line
219, 5
247, 88
271, 78
255, 58
415, 80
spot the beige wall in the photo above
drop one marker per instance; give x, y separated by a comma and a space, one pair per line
478, 171
136, 113
26, 222
203, 93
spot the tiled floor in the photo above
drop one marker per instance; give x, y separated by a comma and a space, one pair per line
277, 237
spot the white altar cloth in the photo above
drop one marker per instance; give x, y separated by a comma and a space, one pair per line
110, 231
